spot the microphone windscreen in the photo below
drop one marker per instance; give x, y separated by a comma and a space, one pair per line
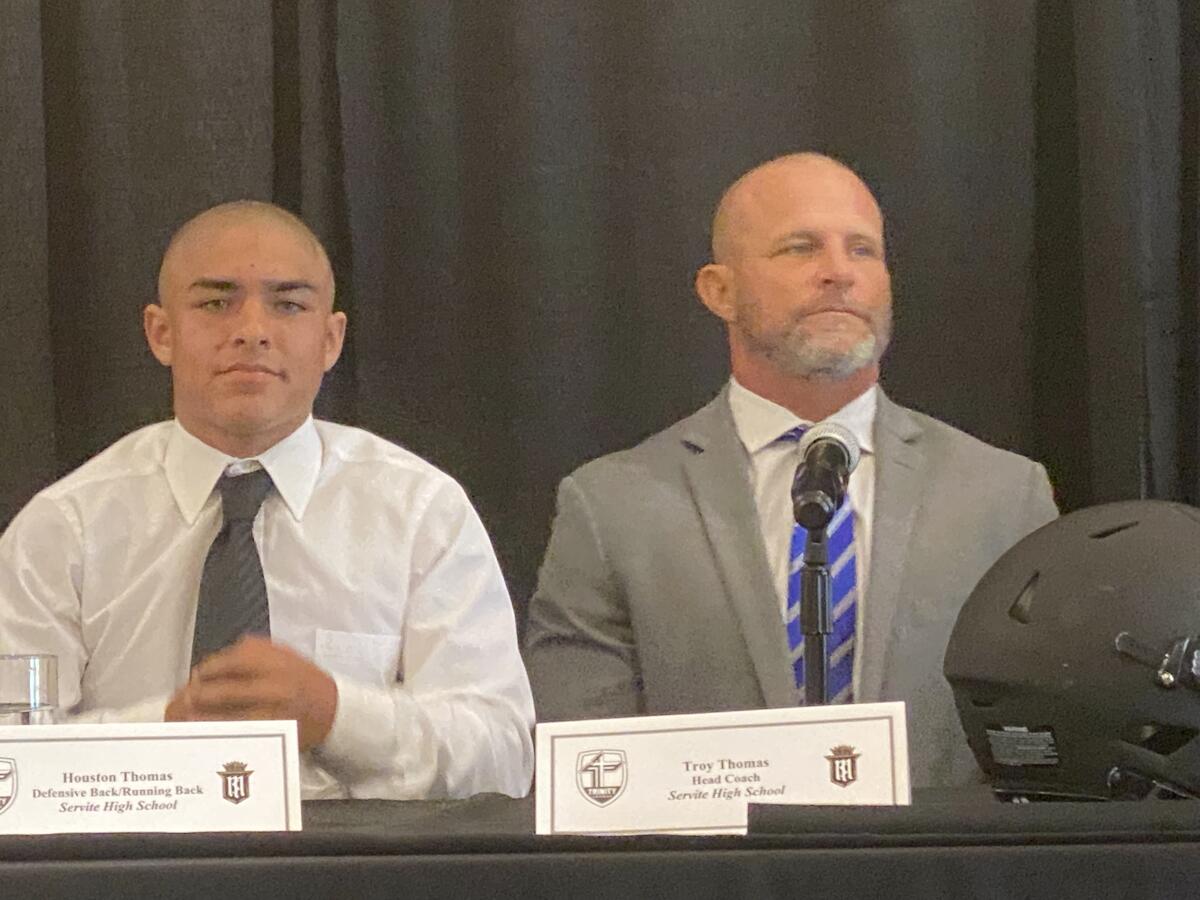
835, 432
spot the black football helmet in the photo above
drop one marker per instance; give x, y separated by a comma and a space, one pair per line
1074, 662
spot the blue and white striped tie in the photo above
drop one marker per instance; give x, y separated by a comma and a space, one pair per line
843, 599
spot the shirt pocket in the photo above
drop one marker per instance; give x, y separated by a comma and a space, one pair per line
370, 658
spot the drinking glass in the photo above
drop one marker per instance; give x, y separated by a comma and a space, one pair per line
28, 689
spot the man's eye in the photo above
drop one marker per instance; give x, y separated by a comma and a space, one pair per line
866, 250
800, 247
216, 304
289, 306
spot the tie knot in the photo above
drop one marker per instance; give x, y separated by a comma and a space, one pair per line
242, 495
793, 435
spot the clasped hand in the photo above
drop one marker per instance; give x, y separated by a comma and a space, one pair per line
256, 679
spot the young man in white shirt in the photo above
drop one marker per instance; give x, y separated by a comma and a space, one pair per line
385, 629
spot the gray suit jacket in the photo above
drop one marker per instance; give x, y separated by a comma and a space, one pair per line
655, 595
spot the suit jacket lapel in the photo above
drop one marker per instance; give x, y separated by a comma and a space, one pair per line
899, 465
717, 470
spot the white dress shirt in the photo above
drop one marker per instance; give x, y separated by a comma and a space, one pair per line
759, 423
377, 568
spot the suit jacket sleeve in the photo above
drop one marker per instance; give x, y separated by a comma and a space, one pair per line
579, 645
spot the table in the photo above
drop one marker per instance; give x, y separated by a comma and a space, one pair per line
948, 844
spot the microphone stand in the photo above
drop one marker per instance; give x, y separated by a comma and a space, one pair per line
815, 616
830, 454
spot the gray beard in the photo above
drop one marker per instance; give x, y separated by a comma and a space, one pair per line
802, 358
799, 356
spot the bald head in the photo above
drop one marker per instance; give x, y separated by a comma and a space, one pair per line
800, 279
205, 229
767, 193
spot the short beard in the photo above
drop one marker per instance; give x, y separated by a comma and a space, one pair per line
797, 354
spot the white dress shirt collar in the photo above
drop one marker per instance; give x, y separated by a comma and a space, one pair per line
193, 467
759, 422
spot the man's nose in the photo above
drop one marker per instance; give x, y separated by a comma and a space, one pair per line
252, 323
835, 267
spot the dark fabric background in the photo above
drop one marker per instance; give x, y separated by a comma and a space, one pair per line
515, 194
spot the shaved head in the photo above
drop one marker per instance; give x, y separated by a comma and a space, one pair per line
764, 187
201, 229
799, 277
245, 321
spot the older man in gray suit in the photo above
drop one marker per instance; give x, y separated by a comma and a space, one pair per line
665, 587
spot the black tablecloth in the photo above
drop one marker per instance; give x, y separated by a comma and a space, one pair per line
959, 844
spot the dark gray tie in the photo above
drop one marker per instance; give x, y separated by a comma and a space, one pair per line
233, 594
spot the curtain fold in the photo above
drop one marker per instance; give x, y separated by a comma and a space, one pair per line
27, 403
515, 196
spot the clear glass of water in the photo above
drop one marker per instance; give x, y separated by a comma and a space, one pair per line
28, 689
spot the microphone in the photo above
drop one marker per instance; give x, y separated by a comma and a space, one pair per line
828, 454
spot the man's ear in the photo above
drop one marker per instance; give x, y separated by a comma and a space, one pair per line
335, 337
714, 287
158, 332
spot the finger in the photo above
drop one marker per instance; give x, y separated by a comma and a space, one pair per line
247, 658
231, 694
179, 708
257, 713
224, 664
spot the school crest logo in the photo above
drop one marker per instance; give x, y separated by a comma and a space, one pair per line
601, 775
235, 782
8, 783
843, 765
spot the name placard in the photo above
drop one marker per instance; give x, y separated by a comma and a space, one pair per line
696, 773
168, 776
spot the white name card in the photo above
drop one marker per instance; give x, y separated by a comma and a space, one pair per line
697, 773
169, 776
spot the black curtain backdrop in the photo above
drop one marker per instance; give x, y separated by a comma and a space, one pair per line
515, 194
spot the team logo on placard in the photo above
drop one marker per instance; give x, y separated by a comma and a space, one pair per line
843, 765
235, 782
8, 783
601, 775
